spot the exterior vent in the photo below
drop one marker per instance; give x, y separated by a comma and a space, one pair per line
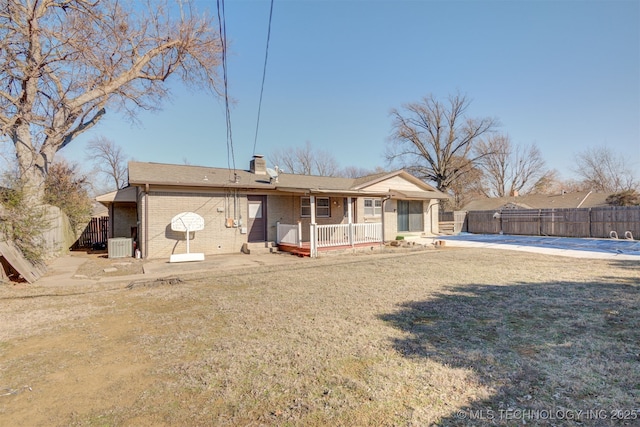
120, 247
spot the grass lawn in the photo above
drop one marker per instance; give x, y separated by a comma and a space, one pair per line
436, 337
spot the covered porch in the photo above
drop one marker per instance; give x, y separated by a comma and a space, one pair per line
329, 237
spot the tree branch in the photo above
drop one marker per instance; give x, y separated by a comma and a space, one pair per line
82, 127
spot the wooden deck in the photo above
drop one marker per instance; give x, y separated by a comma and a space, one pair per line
305, 250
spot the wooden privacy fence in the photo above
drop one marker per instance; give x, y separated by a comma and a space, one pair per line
96, 231
452, 222
587, 222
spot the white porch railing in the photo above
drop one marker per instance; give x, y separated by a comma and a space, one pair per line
324, 236
348, 234
290, 234
368, 232
331, 235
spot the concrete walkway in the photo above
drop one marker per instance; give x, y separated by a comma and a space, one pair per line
62, 270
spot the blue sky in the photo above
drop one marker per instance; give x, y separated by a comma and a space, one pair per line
562, 74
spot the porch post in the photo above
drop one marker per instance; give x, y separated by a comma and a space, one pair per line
313, 231
314, 240
277, 232
312, 202
350, 220
299, 235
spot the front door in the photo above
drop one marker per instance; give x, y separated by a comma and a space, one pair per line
257, 218
410, 215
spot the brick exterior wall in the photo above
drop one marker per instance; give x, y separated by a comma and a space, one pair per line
214, 206
217, 207
125, 217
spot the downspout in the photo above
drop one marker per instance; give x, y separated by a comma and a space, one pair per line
146, 221
111, 221
383, 215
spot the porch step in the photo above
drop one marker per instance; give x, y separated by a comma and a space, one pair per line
301, 252
260, 247
447, 227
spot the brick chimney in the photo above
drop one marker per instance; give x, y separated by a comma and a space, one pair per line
258, 165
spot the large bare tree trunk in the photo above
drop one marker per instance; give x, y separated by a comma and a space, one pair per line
62, 62
32, 166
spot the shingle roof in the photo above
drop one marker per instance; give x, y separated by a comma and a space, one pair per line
583, 199
199, 176
186, 175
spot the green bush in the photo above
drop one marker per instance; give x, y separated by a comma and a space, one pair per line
26, 225
65, 188
22, 224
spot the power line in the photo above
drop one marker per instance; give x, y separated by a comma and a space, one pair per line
223, 39
264, 73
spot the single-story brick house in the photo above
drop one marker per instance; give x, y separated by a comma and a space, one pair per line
260, 207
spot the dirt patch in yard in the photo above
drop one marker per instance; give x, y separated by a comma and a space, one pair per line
98, 264
452, 337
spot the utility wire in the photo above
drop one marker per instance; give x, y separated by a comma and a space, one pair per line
223, 39
264, 73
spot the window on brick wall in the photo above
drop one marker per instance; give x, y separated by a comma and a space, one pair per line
305, 204
323, 208
372, 207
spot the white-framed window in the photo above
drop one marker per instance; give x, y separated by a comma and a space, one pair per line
372, 207
323, 207
305, 209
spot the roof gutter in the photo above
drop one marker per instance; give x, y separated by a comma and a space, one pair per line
203, 185
335, 192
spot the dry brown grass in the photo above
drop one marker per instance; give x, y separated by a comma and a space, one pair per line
400, 339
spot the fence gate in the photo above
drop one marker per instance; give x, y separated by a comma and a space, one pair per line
96, 231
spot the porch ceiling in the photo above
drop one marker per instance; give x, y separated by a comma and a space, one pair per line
124, 195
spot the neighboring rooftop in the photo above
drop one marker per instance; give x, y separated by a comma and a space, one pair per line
581, 199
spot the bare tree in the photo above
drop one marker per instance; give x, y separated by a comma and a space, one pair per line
431, 137
109, 160
358, 172
603, 171
509, 169
467, 187
64, 62
305, 161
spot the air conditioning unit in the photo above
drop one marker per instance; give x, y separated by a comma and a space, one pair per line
120, 247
